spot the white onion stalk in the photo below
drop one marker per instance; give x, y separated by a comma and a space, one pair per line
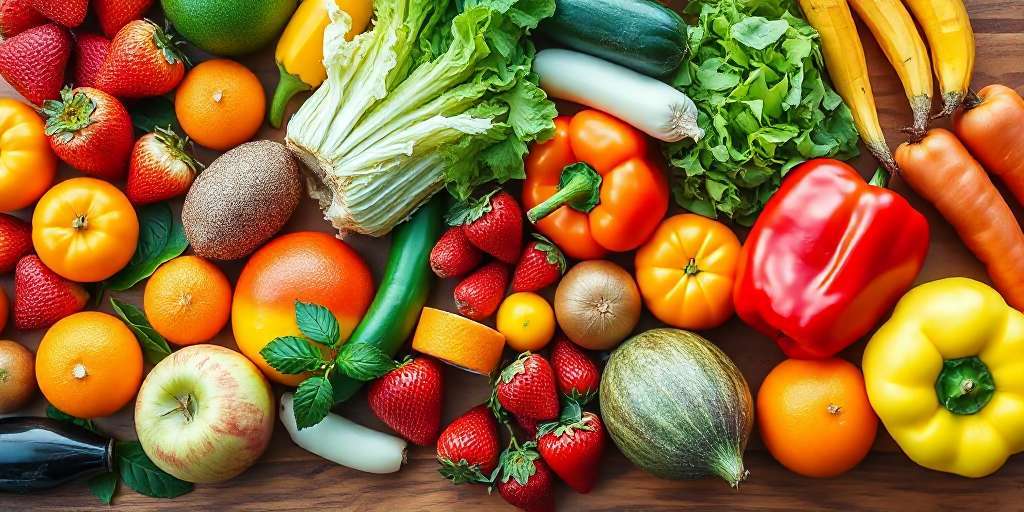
346, 443
652, 106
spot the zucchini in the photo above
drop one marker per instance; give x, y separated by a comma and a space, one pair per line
642, 35
402, 293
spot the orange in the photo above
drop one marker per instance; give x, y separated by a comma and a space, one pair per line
458, 341
814, 416
308, 267
85, 229
527, 321
89, 365
188, 300
220, 104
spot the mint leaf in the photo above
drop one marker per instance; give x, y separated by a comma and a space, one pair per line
291, 355
139, 473
59, 415
154, 346
103, 486
150, 113
317, 323
363, 361
161, 238
312, 402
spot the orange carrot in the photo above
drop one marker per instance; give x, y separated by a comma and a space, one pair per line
992, 127
940, 169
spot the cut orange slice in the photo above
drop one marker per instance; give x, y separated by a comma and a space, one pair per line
458, 341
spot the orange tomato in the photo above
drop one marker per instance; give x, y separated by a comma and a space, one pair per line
686, 271
85, 229
814, 416
27, 164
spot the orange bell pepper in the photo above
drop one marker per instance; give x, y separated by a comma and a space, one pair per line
592, 189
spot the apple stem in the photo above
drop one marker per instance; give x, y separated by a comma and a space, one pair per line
185, 407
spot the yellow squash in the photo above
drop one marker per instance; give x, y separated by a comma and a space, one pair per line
951, 38
844, 58
897, 34
946, 376
300, 51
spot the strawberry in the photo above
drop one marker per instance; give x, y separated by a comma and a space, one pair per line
529, 425
573, 450
494, 223
479, 295
90, 130
70, 13
143, 61
41, 297
468, 448
526, 481
115, 14
161, 168
33, 62
526, 388
541, 265
15, 241
576, 374
409, 398
17, 16
453, 255
90, 51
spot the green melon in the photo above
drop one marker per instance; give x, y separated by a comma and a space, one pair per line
229, 27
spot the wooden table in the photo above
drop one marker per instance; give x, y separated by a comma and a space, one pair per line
288, 478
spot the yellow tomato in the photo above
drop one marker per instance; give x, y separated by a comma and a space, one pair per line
85, 230
27, 164
527, 321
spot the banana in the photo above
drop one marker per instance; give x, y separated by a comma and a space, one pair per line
894, 29
951, 38
844, 58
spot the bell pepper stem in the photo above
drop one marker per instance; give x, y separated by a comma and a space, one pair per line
287, 87
579, 188
964, 385
880, 178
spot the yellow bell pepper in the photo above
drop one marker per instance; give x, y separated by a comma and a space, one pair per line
946, 376
300, 51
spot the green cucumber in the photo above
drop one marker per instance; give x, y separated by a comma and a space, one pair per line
642, 35
402, 293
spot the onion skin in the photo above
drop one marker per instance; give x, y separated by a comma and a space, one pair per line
597, 304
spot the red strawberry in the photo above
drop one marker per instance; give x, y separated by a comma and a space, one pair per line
526, 388
494, 223
115, 14
541, 265
409, 398
91, 131
161, 168
15, 241
33, 62
41, 297
17, 16
143, 61
529, 425
70, 13
479, 295
573, 451
576, 374
526, 482
453, 255
90, 52
468, 448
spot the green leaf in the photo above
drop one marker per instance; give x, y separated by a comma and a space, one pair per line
139, 473
363, 361
317, 323
103, 486
147, 114
56, 414
313, 400
161, 238
292, 355
154, 346
758, 33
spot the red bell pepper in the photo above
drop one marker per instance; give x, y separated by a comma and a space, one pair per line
827, 258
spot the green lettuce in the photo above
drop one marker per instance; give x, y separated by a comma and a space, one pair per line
438, 94
755, 71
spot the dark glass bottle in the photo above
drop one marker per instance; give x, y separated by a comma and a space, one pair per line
40, 453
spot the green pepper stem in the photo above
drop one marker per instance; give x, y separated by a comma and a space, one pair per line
287, 87
579, 188
965, 385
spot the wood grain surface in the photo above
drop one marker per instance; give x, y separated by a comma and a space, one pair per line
288, 478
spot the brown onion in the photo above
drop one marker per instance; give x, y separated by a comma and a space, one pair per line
597, 304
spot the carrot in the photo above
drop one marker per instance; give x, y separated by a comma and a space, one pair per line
992, 127
940, 169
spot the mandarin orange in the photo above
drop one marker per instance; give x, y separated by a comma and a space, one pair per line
188, 300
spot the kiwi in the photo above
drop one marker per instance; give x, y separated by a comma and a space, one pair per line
17, 376
241, 200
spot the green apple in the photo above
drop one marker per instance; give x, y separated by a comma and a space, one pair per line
204, 414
